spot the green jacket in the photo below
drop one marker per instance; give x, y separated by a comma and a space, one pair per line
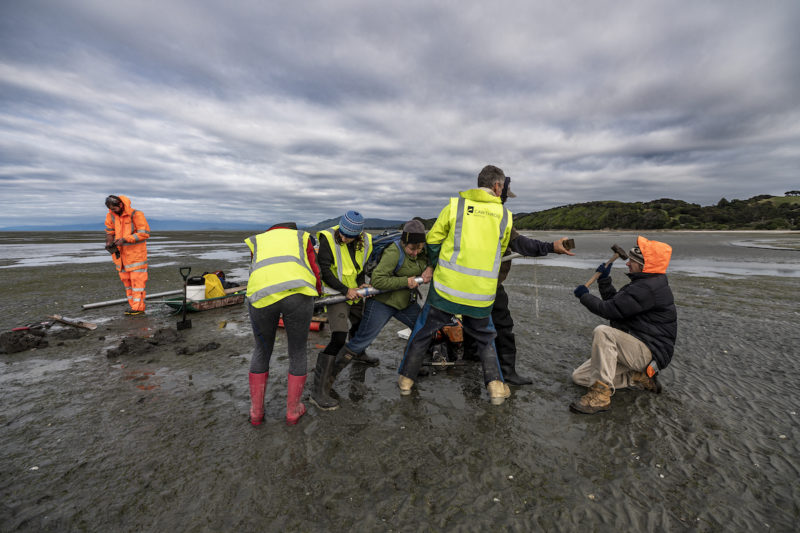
384, 278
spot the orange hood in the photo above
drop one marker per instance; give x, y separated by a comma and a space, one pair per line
126, 203
656, 255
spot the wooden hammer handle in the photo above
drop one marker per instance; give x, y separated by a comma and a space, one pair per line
598, 274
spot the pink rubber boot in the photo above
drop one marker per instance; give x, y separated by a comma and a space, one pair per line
294, 408
258, 386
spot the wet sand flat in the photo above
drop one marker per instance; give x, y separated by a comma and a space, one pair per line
158, 440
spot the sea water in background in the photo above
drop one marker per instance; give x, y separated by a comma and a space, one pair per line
48, 273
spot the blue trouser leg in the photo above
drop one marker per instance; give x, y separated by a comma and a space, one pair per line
428, 323
483, 332
408, 316
376, 315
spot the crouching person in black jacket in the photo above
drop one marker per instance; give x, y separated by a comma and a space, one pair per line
641, 338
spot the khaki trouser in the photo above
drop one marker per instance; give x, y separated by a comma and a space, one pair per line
615, 355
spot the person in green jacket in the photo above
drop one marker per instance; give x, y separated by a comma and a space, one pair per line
395, 276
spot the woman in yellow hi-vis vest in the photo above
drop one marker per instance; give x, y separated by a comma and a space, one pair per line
469, 238
284, 280
343, 252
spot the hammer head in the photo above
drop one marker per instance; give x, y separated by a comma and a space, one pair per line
617, 249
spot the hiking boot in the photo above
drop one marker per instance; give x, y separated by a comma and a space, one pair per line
598, 399
405, 385
498, 391
364, 359
641, 381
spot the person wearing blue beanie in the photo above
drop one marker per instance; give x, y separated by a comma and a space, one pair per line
343, 252
351, 224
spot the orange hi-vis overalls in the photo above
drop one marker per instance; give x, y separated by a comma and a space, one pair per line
131, 226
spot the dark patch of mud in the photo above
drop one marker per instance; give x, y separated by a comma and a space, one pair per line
155, 440
21, 341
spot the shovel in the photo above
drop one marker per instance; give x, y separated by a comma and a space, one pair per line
184, 324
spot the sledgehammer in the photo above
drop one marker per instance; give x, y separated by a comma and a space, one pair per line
618, 252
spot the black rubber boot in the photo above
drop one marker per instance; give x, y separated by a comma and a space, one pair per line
322, 378
364, 359
507, 365
343, 358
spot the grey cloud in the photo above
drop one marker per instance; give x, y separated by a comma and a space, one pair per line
256, 108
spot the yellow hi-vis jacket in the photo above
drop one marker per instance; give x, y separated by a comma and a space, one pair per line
343, 266
279, 267
474, 231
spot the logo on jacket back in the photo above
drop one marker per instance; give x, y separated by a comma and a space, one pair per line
482, 212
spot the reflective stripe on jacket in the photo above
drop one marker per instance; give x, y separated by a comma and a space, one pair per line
279, 267
343, 267
479, 229
132, 227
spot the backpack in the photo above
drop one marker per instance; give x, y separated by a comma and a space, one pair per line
213, 285
379, 244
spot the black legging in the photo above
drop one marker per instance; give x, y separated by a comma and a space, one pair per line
297, 311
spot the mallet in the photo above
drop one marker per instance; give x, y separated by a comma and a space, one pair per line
618, 252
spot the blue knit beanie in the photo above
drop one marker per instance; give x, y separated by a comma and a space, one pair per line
351, 224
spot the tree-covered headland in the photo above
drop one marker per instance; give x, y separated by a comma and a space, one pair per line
763, 212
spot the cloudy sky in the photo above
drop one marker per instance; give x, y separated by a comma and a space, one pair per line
253, 110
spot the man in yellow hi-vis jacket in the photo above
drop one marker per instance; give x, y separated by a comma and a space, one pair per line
465, 244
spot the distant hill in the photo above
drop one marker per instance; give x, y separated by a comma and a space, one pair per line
764, 212
155, 225
191, 225
369, 223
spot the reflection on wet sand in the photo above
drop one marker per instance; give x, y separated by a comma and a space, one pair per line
84, 447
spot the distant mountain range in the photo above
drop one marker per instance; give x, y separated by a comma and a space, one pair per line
369, 223
763, 212
191, 225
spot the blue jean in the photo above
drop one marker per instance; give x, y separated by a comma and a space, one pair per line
376, 315
430, 321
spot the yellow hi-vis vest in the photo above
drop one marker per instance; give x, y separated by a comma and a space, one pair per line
343, 266
469, 260
280, 267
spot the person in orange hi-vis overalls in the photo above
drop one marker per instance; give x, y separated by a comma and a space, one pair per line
126, 234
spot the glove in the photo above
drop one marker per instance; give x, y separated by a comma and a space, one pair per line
580, 290
604, 270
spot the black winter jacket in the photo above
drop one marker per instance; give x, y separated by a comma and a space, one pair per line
644, 308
